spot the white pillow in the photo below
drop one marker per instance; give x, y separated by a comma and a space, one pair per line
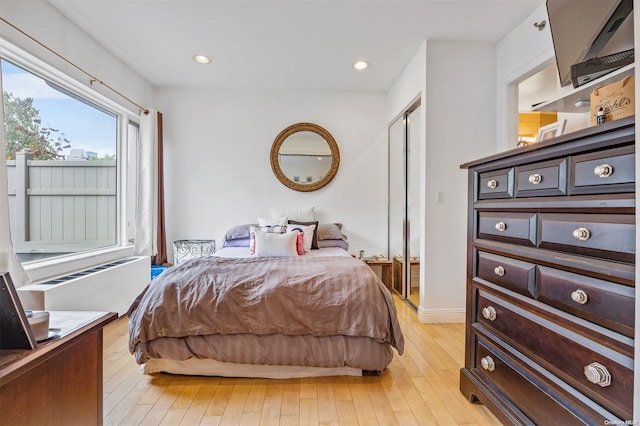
273, 221
307, 234
296, 213
276, 245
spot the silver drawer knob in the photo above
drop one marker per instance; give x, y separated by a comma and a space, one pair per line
489, 313
499, 271
597, 373
487, 363
582, 234
603, 170
535, 178
579, 296
501, 226
492, 183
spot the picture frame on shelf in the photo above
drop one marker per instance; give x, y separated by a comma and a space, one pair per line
16, 331
550, 131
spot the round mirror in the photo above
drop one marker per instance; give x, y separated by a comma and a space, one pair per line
305, 157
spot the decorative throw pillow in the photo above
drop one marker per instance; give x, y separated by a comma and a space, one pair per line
314, 241
295, 213
307, 232
272, 221
264, 229
300, 243
276, 245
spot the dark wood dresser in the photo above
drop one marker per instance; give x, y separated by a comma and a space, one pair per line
551, 279
60, 381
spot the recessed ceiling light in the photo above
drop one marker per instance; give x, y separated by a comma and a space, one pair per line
201, 59
360, 65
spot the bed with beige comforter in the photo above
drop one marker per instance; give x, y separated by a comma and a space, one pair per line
309, 312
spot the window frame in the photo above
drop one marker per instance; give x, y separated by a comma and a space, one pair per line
59, 265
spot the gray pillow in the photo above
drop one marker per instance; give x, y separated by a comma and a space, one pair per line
330, 231
240, 231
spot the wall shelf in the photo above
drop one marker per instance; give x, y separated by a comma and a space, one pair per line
566, 102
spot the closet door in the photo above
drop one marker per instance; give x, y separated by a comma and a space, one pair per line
414, 130
404, 203
397, 199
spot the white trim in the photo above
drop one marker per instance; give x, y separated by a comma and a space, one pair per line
435, 316
56, 266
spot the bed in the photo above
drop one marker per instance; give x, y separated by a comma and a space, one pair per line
238, 315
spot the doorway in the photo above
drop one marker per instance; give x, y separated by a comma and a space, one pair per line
404, 203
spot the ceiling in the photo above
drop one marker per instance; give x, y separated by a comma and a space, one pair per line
290, 45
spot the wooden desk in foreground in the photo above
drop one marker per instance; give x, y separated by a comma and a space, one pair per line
60, 381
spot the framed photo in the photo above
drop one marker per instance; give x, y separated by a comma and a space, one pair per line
551, 131
16, 331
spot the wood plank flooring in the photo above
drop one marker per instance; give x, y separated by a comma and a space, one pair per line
418, 388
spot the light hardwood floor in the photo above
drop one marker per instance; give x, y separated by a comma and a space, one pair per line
419, 387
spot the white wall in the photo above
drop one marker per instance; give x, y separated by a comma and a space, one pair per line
409, 85
218, 173
460, 126
456, 82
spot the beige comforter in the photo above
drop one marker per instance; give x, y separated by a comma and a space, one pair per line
204, 300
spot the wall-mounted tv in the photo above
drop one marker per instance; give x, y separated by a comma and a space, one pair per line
586, 29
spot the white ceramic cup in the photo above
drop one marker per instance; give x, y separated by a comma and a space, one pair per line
39, 322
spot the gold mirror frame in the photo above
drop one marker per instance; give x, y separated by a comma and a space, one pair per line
301, 127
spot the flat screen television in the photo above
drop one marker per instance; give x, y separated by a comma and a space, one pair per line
586, 29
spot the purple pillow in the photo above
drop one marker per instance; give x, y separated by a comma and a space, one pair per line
236, 242
333, 243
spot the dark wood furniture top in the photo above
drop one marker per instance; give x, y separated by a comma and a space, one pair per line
385, 270
60, 381
551, 279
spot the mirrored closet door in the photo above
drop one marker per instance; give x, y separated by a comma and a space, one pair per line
404, 203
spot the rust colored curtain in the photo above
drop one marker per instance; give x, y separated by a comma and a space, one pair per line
161, 256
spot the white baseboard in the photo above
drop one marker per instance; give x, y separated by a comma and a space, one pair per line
435, 316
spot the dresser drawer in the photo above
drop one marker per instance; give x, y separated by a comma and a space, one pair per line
510, 273
519, 228
605, 303
535, 400
496, 184
566, 354
542, 179
599, 235
603, 172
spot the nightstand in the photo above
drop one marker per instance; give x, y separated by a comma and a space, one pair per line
385, 269
190, 249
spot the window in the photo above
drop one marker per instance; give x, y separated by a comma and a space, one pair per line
71, 162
